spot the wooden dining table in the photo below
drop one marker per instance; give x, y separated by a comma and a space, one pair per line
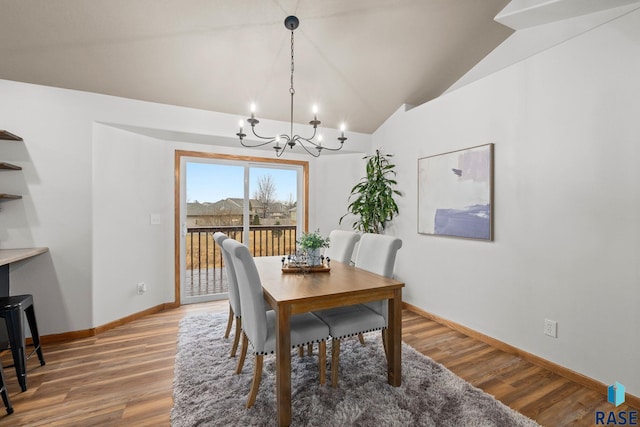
343, 285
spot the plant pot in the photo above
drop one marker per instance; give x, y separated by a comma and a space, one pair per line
313, 257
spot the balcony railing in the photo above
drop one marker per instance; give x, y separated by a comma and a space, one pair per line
205, 275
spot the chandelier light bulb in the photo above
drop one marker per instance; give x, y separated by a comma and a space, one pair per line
241, 124
314, 109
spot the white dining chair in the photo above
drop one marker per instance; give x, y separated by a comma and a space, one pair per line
377, 254
341, 245
259, 327
235, 311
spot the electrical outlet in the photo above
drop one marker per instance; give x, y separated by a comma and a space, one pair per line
142, 288
551, 328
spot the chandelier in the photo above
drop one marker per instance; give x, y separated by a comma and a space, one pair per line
283, 141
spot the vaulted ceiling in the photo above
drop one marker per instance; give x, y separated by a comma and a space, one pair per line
358, 60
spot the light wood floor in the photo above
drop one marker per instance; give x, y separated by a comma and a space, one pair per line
123, 377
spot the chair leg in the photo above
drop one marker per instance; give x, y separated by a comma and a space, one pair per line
236, 338
229, 322
301, 351
4, 394
15, 329
35, 336
257, 376
361, 338
322, 356
310, 348
335, 361
243, 353
384, 344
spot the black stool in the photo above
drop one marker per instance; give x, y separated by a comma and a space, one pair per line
11, 309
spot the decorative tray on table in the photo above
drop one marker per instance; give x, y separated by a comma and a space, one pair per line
293, 265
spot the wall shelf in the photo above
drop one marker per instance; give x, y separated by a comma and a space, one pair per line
6, 135
9, 166
6, 197
9, 136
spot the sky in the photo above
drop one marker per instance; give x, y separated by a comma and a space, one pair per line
207, 182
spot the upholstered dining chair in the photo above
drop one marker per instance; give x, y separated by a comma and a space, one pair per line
341, 245
234, 296
377, 254
259, 326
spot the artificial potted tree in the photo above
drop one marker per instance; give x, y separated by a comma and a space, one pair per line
310, 243
372, 198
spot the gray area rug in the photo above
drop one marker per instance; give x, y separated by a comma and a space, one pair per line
207, 392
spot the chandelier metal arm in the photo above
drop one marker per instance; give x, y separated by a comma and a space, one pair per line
256, 145
316, 145
253, 130
297, 137
311, 152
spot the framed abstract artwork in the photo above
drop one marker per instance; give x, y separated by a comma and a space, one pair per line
455, 193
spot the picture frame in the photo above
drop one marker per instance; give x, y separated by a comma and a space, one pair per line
455, 193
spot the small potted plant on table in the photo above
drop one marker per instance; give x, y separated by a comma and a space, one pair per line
310, 244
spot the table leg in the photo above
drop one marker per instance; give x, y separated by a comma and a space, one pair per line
283, 365
394, 340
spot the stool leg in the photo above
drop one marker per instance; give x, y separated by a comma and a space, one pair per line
33, 326
15, 328
3, 392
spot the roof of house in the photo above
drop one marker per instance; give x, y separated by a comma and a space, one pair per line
228, 206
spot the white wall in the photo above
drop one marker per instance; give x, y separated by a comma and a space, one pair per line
94, 168
55, 209
335, 176
567, 195
132, 179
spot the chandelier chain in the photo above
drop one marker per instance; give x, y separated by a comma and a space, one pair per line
292, 91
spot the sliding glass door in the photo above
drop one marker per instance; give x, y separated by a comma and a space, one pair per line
261, 204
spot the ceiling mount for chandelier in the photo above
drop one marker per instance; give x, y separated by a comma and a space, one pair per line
283, 141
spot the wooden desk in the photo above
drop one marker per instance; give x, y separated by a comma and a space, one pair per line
290, 294
8, 256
